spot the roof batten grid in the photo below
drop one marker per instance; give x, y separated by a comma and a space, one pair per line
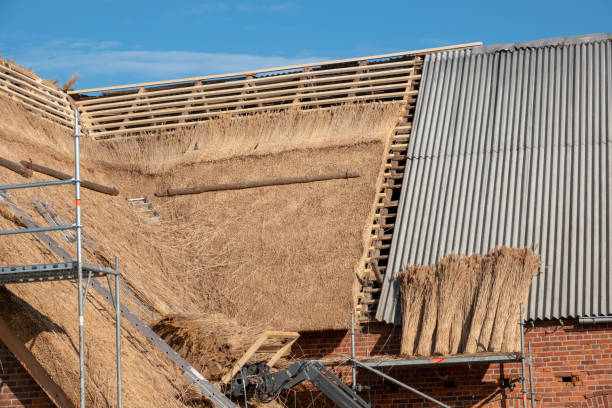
533, 172
184, 102
387, 210
37, 96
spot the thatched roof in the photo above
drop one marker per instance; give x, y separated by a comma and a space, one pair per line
280, 256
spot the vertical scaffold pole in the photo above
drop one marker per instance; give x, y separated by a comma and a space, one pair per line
353, 369
531, 392
524, 386
118, 330
79, 227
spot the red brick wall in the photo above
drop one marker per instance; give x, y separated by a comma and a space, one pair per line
17, 388
572, 368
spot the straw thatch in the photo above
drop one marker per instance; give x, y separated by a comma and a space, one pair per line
213, 343
278, 256
466, 304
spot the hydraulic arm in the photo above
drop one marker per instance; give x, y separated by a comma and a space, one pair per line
257, 381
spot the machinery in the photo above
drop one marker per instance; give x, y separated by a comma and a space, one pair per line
257, 381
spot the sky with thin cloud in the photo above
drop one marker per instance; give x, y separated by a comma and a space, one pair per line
117, 42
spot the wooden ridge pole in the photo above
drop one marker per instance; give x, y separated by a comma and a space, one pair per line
16, 167
253, 184
63, 176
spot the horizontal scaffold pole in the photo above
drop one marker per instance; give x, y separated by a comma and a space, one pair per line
16, 167
38, 229
63, 176
37, 184
253, 184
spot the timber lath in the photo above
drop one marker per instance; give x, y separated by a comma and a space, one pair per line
35, 94
376, 253
158, 106
271, 345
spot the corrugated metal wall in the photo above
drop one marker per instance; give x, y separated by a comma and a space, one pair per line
511, 146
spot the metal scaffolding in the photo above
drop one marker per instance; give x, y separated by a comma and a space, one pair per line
69, 270
502, 358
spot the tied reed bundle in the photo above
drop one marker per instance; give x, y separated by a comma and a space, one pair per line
466, 304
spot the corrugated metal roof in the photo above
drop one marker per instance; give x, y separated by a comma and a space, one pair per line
511, 146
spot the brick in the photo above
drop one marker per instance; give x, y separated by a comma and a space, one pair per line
582, 351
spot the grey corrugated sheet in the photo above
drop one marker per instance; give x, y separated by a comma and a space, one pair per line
511, 146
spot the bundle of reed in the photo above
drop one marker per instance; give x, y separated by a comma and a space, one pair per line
211, 342
452, 279
412, 286
466, 304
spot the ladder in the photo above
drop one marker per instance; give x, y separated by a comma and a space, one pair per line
144, 207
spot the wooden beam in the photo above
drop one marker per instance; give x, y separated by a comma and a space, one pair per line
286, 68
33, 367
37, 83
259, 346
36, 96
248, 110
38, 106
306, 78
286, 99
292, 88
16, 167
245, 357
63, 176
254, 184
103, 135
282, 351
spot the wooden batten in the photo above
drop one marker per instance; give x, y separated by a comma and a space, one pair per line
159, 106
375, 257
35, 95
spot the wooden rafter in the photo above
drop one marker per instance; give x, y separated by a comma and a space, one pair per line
136, 108
376, 253
33, 367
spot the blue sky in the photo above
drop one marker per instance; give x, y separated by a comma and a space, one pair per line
112, 42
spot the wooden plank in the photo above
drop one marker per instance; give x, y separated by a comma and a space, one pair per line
41, 107
305, 77
103, 135
286, 68
374, 260
45, 114
254, 94
248, 110
17, 84
287, 99
243, 360
183, 93
38, 83
273, 333
280, 353
33, 367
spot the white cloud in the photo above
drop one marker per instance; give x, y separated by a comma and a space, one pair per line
241, 7
107, 59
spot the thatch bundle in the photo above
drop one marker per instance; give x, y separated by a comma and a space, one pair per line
466, 304
211, 342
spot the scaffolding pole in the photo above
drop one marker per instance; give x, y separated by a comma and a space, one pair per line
401, 384
79, 255
530, 361
353, 369
118, 331
69, 270
523, 385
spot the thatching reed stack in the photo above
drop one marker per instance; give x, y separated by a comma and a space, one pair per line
466, 304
